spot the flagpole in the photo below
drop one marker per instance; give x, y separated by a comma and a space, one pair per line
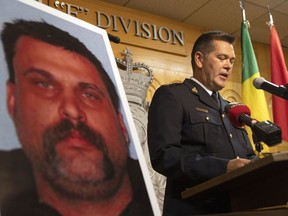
244, 14
270, 23
243, 11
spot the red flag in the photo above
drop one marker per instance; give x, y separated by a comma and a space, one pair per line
279, 76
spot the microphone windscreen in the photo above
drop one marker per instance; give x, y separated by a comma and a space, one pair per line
234, 112
257, 82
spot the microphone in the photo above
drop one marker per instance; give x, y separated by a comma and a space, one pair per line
278, 90
266, 131
113, 38
239, 114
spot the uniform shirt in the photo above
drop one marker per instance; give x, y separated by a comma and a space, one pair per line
190, 141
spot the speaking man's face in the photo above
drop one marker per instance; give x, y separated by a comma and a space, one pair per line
216, 66
65, 120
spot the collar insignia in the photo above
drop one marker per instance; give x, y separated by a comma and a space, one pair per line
194, 90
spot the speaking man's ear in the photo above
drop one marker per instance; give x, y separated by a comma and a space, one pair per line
198, 59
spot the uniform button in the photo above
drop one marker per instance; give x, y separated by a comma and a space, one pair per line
207, 118
230, 135
223, 115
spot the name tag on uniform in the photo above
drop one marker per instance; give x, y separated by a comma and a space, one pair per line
201, 110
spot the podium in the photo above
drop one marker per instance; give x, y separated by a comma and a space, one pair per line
262, 184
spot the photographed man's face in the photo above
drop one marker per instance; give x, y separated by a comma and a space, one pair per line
65, 120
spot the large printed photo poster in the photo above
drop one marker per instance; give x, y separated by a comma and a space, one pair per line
68, 142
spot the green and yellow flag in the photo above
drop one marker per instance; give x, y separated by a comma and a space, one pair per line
252, 97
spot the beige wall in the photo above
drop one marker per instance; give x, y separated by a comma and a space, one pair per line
170, 63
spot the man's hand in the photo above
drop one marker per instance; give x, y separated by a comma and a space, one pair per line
237, 163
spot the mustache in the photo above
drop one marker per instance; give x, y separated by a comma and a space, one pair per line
63, 130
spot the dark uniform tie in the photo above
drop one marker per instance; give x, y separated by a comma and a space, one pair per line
215, 97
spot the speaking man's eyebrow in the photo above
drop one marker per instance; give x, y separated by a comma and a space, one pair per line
38, 71
89, 86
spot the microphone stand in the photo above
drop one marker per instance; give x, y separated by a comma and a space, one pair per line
257, 143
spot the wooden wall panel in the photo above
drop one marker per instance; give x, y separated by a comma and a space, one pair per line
170, 63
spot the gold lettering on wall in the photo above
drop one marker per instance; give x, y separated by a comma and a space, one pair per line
145, 30
165, 38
